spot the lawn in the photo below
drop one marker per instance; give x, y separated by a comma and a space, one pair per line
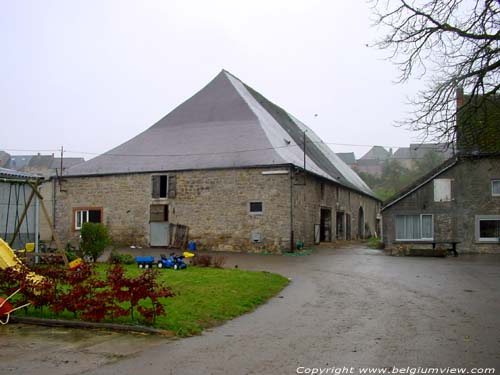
204, 297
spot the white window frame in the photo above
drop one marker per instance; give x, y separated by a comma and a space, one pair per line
493, 182
416, 239
261, 212
480, 218
79, 213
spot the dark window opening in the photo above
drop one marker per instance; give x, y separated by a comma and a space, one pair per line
489, 229
163, 186
256, 207
94, 216
82, 216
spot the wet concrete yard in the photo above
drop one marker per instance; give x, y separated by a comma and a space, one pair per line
348, 306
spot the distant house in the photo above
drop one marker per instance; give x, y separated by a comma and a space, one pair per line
4, 159
229, 165
18, 162
459, 201
373, 161
48, 165
408, 156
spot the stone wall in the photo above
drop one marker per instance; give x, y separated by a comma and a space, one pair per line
214, 204
456, 219
311, 197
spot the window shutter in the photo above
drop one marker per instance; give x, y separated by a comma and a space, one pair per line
172, 186
442, 190
155, 180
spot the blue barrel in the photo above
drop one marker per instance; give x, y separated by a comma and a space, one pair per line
192, 246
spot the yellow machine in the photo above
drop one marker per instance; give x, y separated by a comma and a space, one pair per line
9, 259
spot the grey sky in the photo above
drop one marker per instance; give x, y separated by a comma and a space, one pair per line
89, 75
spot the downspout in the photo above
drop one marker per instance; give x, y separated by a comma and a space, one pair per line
291, 209
54, 203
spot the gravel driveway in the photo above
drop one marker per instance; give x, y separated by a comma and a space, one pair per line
345, 307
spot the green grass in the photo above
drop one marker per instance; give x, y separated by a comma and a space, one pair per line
375, 243
204, 297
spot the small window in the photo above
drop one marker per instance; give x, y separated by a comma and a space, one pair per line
255, 207
89, 215
495, 188
414, 227
442, 190
163, 186
488, 228
322, 188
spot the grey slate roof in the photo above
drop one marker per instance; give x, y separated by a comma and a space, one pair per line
376, 153
67, 162
19, 161
41, 161
227, 124
418, 151
402, 153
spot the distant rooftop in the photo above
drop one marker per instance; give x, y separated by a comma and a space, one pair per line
376, 153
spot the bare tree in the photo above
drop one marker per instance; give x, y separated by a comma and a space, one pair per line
452, 44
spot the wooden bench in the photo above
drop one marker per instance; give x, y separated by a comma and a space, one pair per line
434, 244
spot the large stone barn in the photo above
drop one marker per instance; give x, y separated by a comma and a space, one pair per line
238, 171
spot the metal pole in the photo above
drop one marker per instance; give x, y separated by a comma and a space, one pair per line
37, 226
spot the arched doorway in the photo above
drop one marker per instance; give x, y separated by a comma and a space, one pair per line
361, 223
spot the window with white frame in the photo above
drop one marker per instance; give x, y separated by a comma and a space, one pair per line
414, 227
87, 215
488, 228
495, 188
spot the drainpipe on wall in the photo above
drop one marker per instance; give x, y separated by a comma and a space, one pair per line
54, 187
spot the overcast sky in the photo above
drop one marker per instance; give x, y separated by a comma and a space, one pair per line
89, 75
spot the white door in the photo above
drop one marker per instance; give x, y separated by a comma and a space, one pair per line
159, 233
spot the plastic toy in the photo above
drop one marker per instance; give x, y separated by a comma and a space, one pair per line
145, 261
173, 261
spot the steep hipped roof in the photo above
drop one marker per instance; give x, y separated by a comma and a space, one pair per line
227, 124
376, 153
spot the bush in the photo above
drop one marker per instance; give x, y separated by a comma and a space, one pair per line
121, 258
94, 239
376, 243
218, 261
202, 260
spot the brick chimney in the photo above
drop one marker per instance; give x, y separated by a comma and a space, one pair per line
460, 97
